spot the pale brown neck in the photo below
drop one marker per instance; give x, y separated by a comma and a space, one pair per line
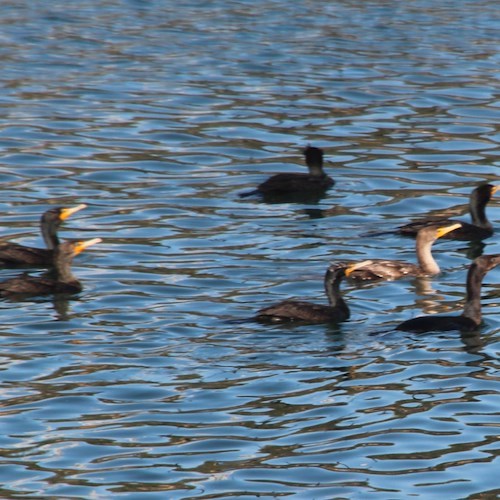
425, 259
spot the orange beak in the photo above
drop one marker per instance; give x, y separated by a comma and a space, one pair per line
80, 246
67, 212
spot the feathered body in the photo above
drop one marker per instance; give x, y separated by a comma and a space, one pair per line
336, 311
471, 317
13, 254
480, 227
59, 279
316, 181
296, 310
382, 269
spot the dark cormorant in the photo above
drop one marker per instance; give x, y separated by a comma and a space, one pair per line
480, 228
315, 183
470, 319
13, 254
308, 312
59, 279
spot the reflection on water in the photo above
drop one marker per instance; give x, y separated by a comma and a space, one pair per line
151, 383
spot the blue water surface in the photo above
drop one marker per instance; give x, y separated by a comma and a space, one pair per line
152, 383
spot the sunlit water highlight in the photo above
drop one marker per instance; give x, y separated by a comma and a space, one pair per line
151, 383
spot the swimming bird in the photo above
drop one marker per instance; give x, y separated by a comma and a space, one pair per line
471, 317
314, 183
308, 312
14, 254
59, 279
382, 269
479, 229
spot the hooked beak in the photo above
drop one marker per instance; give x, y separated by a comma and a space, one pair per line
67, 212
80, 246
357, 265
441, 231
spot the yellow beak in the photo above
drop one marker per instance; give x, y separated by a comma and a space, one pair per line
441, 231
80, 246
357, 265
67, 212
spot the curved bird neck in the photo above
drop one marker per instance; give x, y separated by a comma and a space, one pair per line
472, 307
332, 289
477, 209
61, 272
49, 234
425, 260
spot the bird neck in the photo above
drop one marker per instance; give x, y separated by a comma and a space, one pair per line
316, 169
477, 209
425, 259
61, 271
332, 289
472, 307
49, 235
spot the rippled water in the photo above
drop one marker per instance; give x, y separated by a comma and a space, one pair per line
150, 383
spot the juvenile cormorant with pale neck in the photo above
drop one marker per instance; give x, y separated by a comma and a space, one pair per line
381, 269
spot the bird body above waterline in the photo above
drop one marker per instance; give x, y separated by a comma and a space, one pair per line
424, 324
382, 269
308, 312
315, 182
479, 228
471, 317
14, 254
59, 279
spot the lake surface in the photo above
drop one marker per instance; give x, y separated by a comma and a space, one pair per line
151, 383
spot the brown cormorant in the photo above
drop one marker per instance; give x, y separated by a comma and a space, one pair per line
382, 269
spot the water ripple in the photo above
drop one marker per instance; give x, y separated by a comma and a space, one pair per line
153, 382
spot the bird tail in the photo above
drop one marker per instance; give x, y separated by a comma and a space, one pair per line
248, 193
378, 233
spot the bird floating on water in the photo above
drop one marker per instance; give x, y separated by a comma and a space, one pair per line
479, 228
312, 184
471, 317
308, 312
14, 254
59, 279
382, 269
